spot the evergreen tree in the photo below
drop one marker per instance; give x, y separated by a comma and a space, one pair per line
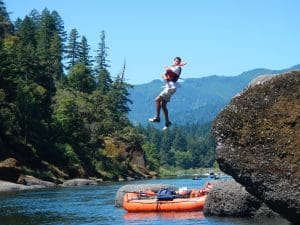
56, 57
60, 28
179, 141
35, 16
165, 153
6, 26
104, 80
72, 49
101, 57
120, 88
17, 24
80, 78
117, 100
84, 50
46, 36
26, 60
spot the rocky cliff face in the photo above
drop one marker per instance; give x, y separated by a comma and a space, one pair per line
258, 142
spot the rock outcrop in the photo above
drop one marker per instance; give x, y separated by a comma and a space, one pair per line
10, 170
258, 142
229, 198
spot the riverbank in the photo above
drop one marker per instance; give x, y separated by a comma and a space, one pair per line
31, 183
27, 182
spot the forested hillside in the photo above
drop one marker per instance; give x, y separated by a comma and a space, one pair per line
63, 115
197, 101
55, 117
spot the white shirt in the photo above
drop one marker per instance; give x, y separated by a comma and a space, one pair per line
176, 69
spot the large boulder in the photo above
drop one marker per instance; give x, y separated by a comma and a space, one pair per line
229, 198
10, 170
258, 142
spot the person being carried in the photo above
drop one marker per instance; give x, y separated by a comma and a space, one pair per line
171, 76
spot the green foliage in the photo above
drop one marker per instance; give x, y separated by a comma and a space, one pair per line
152, 156
67, 154
84, 49
80, 78
6, 26
72, 48
66, 120
9, 125
183, 147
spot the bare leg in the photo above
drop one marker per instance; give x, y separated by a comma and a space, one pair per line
165, 110
158, 102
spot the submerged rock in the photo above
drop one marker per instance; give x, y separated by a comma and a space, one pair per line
258, 142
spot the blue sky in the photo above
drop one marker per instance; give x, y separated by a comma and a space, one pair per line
215, 37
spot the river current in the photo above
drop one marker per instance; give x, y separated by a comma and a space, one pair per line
93, 205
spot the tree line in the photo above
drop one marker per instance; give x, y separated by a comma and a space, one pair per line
182, 147
62, 102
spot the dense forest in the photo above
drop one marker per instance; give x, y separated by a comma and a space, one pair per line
62, 103
184, 147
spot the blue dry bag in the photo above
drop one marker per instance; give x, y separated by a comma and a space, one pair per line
165, 194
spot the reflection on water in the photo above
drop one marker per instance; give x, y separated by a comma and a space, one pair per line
164, 215
95, 205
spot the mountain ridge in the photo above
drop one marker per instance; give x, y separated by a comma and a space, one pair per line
209, 95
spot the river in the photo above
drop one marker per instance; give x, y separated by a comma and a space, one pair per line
91, 205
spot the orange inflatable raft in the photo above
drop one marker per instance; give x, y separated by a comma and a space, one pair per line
132, 203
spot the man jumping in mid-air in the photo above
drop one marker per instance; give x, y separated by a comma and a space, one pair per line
171, 76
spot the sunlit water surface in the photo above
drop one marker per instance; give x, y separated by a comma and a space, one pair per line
91, 205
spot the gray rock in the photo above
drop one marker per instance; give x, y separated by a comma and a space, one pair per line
6, 186
78, 182
258, 142
229, 198
10, 170
30, 180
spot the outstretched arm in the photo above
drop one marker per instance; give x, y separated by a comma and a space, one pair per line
182, 64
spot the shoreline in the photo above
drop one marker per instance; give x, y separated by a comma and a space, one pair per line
7, 186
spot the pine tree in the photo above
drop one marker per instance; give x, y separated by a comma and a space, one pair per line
36, 18
179, 141
84, 51
6, 26
45, 76
17, 24
117, 100
80, 78
101, 57
72, 49
60, 28
27, 62
56, 57
104, 80
121, 89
